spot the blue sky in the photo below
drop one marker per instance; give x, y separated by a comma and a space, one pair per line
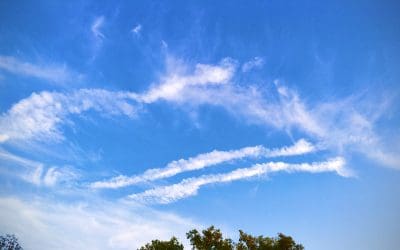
122, 122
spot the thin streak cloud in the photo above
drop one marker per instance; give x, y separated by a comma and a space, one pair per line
96, 27
189, 187
204, 161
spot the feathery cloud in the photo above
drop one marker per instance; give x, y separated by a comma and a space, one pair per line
35, 172
190, 187
205, 160
332, 124
39, 116
256, 62
137, 29
58, 74
172, 86
96, 27
91, 224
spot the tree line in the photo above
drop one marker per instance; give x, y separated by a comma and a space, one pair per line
209, 239
212, 239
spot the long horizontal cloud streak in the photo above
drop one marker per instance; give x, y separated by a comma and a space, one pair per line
206, 160
190, 187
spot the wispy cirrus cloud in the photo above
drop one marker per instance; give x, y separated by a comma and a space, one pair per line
40, 116
255, 63
206, 160
214, 85
96, 27
332, 124
53, 73
137, 29
89, 224
189, 187
173, 86
35, 172
335, 125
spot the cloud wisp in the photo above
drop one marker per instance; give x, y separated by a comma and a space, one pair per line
255, 63
96, 27
39, 116
57, 74
204, 161
172, 87
331, 124
35, 172
89, 224
189, 187
137, 29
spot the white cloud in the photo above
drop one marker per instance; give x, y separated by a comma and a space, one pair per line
100, 225
39, 116
96, 27
336, 126
339, 126
137, 29
205, 160
36, 172
213, 85
256, 62
190, 187
58, 74
172, 86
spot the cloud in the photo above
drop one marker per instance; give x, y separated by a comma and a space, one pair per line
190, 187
137, 29
205, 160
333, 125
346, 124
173, 86
214, 85
256, 62
96, 27
86, 225
35, 172
58, 74
39, 116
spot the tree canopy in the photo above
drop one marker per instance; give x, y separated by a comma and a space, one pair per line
212, 239
172, 244
9, 242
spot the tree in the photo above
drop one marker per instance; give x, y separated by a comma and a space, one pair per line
172, 244
212, 239
282, 242
209, 240
9, 242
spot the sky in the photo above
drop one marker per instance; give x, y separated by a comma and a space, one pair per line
127, 121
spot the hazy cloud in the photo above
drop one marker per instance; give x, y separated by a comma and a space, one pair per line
58, 74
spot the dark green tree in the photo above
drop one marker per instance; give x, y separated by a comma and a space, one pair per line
9, 242
172, 244
210, 239
282, 242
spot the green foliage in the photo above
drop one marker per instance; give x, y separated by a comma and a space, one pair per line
282, 242
9, 242
172, 244
212, 239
